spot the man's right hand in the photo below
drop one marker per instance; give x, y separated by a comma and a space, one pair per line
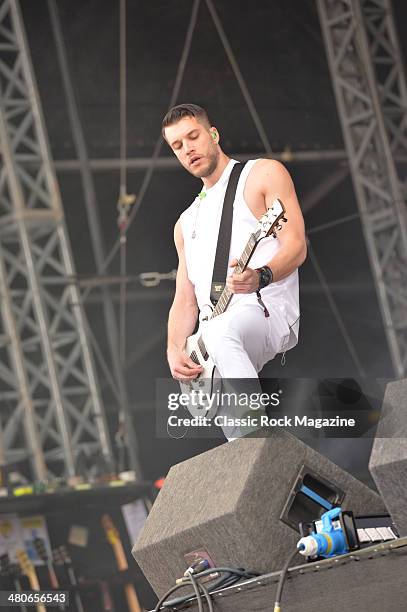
182, 367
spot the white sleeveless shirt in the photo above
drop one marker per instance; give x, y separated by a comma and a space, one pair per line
200, 227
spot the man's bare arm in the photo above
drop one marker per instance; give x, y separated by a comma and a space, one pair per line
277, 183
182, 317
273, 181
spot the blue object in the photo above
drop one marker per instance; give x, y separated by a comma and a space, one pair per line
317, 498
330, 541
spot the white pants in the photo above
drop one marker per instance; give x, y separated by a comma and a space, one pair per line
241, 341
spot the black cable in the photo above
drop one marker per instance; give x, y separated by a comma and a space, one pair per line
181, 600
196, 586
233, 576
282, 579
231, 570
207, 597
213, 586
176, 587
224, 581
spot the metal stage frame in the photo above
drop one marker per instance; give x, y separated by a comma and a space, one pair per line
51, 411
371, 94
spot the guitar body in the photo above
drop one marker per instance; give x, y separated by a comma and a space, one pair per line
201, 387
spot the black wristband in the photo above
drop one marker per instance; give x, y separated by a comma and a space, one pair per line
265, 276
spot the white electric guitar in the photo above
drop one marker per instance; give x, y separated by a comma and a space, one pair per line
200, 389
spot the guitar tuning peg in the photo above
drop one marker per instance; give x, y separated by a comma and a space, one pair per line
284, 220
279, 227
273, 233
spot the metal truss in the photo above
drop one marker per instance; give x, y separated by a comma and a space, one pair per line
386, 56
51, 412
378, 189
124, 413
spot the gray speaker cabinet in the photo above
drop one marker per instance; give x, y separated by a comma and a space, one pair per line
388, 460
240, 505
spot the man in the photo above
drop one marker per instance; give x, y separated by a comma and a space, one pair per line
244, 338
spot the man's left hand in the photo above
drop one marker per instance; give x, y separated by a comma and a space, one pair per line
244, 282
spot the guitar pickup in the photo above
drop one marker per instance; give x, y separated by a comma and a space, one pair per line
202, 348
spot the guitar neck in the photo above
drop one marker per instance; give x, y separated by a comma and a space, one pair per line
28, 570
52, 577
242, 262
35, 586
107, 601
41, 550
132, 599
67, 562
121, 561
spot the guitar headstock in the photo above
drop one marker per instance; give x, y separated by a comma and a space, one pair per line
40, 549
271, 221
110, 530
61, 556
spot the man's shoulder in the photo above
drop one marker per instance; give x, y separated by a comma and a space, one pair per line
262, 166
266, 172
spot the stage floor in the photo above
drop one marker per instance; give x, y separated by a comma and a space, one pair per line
373, 579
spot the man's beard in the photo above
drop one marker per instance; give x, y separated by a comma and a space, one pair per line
210, 167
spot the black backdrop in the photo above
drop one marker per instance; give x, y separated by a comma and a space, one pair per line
279, 48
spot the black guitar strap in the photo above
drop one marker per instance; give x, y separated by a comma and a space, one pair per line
220, 267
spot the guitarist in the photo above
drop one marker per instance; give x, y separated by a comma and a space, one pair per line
252, 330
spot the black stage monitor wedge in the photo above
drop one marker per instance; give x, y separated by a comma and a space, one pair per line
388, 461
238, 504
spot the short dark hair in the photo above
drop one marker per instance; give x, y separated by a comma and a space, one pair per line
176, 113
